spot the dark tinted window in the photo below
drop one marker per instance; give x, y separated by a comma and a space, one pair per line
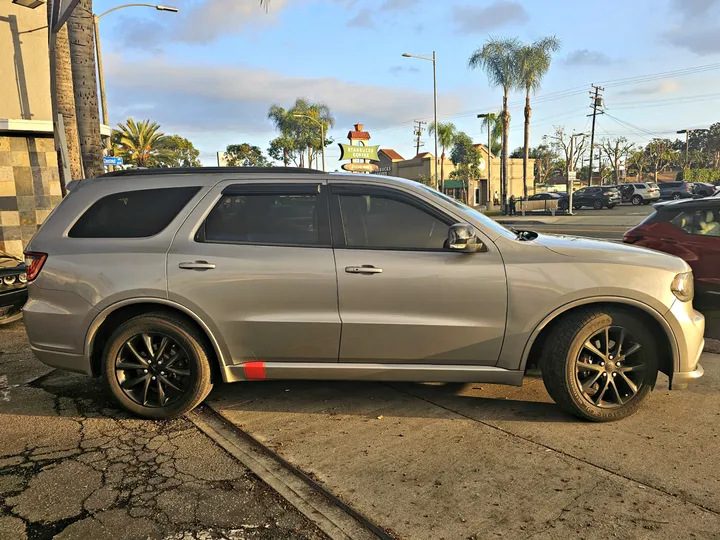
132, 214
268, 218
377, 221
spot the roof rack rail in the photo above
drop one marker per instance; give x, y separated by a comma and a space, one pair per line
210, 170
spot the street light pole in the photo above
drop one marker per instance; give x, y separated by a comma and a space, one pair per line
434, 61
98, 54
322, 135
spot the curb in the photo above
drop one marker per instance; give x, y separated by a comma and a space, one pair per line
712, 346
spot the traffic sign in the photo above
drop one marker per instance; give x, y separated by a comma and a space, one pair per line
111, 160
360, 167
572, 176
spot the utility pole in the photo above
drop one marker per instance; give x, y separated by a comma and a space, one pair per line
418, 132
596, 101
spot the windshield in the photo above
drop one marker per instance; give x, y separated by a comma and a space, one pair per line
479, 216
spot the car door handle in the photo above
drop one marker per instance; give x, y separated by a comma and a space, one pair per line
196, 265
364, 269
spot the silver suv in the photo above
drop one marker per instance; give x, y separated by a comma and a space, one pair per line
163, 282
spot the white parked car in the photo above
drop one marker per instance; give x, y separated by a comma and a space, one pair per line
640, 193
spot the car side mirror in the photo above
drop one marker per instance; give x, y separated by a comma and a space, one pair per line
462, 238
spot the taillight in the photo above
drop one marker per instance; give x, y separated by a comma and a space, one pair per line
630, 238
688, 188
34, 263
607, 192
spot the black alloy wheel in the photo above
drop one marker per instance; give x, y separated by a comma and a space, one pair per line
152, 369
597, 205
608, 372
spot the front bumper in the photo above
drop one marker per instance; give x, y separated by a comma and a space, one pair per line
688, 326
11, 304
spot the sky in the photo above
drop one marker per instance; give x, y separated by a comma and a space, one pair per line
211, 71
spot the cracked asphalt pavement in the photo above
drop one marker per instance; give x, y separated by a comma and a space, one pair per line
74, 467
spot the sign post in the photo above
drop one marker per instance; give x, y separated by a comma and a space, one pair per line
572, 175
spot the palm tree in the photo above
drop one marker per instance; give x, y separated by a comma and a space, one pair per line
497, 57
446, 132
142, 144
66, 102
82, 56
532, 63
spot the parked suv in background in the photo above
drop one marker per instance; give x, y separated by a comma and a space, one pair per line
640, 193
598, 197
163, 281
675, 190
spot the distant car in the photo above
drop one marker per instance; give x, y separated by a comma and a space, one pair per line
598, 197
13, 287
703, 189
675, 190
689, 229
545, 197
640, 193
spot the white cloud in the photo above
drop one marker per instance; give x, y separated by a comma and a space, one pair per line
696, 29
664, 87
474, 19
201, 97
586, 57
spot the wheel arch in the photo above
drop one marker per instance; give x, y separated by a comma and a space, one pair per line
112, 316
538, 338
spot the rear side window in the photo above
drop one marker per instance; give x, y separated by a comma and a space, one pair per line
641, 186
132, 214
282, 218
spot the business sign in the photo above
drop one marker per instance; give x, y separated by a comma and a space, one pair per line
360, 167
572, 176
358, 152
111, 160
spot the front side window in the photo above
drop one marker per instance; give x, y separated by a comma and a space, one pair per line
703, 222
384, 222
266, 218
132, 214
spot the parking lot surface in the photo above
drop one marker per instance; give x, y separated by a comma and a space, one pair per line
484, 461
74, 467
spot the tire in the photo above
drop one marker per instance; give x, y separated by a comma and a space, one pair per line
637, 200
560, 363
597, 205
185, 383
562, 205
676, 196
577, 206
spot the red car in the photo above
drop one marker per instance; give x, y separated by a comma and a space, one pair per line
689, 229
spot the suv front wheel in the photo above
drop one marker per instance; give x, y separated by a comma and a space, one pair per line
157, 366
601, 363
637, 200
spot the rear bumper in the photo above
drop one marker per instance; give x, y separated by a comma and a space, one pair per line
63, 360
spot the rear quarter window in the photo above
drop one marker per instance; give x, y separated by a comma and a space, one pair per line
132, 214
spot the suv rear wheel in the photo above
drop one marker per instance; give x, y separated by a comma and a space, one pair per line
157, 366
601, 365
597, 205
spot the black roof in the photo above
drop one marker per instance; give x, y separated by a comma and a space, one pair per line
688, 204
210, 170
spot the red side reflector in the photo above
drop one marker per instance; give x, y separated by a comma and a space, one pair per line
34, 263
255, 371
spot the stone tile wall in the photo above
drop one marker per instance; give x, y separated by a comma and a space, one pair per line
29, 187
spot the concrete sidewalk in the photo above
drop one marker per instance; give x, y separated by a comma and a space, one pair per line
74, 467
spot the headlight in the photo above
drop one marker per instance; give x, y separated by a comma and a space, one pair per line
23, 278
9, 280
683, 287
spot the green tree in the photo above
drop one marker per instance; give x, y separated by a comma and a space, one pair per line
532, 62
616, 150
466, 158
637, 161
245, 155
660, 155
497, 57
303, 130
184, 153
282, 148
545, 162
142, 144
446, 133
